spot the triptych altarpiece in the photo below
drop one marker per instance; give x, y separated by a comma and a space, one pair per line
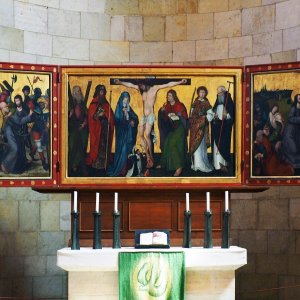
143, 126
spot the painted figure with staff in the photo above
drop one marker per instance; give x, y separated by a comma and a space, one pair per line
221, 128
201, 115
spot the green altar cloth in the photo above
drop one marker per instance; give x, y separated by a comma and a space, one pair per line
151, 276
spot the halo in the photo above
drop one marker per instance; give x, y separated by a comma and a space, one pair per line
294, 93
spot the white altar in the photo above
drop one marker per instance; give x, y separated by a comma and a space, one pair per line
210, 273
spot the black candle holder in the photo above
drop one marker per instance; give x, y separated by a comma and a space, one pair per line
187, 234
97, 230
208, 229
225, 229
75, 231
116, 230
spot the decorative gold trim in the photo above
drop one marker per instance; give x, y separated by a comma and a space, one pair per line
181, 72
51, 131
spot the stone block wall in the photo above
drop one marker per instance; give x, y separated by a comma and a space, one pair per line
268, 224
181, 32
33, 226
210, 32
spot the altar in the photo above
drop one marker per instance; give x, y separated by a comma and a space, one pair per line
210, 273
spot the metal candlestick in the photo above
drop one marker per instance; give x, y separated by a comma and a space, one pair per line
75, 231
187, 234
208, 229
225, 229
97, 230
116, 228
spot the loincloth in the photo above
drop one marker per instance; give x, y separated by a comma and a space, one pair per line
150, 119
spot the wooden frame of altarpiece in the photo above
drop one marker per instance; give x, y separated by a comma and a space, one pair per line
255, 91
37, 138
272, 124
125, 79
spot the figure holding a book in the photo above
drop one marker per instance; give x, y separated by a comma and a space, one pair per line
172, 123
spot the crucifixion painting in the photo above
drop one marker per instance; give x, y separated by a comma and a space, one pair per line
151, 125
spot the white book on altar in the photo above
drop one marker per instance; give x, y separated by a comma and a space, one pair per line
153, 238
146, 238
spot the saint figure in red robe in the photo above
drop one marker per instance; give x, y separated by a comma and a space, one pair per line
101, 129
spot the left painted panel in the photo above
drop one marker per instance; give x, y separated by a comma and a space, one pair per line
28, 125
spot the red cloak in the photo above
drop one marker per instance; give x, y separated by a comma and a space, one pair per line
96, 130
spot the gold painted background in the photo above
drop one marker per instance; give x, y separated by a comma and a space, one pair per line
209, 77
43, 84
184, 92
22, 80
274, 81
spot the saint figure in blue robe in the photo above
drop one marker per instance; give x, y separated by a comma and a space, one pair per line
126, 124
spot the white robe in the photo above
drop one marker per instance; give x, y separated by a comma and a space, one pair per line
217, 157
200, 160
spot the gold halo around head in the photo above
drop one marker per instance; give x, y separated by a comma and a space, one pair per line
294, 93
43, 100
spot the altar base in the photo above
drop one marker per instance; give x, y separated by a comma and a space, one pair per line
210, 273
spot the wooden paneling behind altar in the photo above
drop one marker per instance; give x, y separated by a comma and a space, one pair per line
144, 209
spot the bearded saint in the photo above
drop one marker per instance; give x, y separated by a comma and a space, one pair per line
78, 132
221, 129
